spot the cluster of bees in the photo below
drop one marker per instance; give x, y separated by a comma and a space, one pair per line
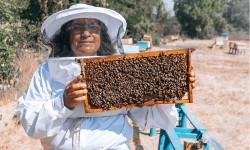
134, 81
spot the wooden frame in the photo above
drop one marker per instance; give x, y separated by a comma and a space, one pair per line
84, 61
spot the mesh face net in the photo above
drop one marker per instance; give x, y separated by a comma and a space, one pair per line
119, 41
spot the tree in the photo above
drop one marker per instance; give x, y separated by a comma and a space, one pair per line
9, 36
172, 26
237, 14
199, 18
142, 16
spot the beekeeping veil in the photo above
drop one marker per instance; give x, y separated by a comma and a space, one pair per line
114, 22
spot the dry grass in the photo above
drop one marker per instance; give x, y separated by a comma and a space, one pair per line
221, 96
25, 66
12, 134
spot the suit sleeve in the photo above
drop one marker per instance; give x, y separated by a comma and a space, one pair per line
41, 110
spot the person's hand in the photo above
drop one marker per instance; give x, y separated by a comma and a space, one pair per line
192, 77
74, 93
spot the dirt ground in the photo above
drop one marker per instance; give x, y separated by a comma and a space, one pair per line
220, 102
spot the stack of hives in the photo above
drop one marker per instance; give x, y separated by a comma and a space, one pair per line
148, 78
147, 37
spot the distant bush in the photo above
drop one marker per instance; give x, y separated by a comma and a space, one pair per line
14, 34
6, 55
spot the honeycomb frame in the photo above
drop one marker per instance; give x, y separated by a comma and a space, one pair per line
129, 57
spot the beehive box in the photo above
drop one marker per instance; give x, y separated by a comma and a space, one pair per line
127, 41
136, 80
143, 44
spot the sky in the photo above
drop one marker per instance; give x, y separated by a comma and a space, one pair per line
169, 6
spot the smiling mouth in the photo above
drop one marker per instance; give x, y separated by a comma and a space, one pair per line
85, 42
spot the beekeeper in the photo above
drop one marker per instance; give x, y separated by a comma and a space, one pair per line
52, 108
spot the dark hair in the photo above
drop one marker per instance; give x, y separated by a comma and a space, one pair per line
60, 44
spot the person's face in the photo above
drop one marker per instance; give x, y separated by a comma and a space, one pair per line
84, 37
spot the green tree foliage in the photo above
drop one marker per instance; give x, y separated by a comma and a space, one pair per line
237, 14
143, 17
32, 12
172, 26
200, 18
6, 54
9, 37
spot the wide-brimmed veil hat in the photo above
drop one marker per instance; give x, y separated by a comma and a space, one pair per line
115, 23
